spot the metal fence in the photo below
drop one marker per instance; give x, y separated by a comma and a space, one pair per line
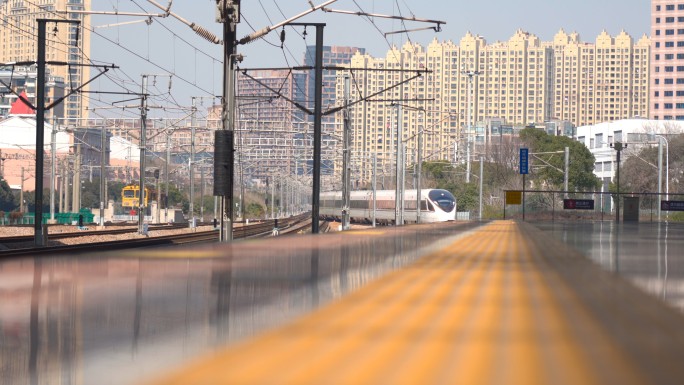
595, 205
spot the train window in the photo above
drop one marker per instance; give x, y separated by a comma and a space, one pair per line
443, 198
430, 206
128, 193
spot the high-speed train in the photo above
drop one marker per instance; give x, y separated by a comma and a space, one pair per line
436, 206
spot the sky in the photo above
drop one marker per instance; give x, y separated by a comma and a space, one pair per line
167, 46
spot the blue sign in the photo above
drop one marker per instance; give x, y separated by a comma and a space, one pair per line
672, 205
524, 161
578, 204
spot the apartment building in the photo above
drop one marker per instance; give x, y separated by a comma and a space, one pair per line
65, 43
603, 81
270, 128
463, 86
23, 79
667, 60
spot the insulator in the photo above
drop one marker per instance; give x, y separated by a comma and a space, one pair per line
206, 34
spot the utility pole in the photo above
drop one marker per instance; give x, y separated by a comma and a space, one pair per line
166, 188
224, 156
64, 194
191, 164
419, 170
103, 172
567, 170
143, 144
481, 180
469, 114
618, 146
398, 198
53, 168
76, 181
346, 158
21, 193
39, 238
202, 194
375, 185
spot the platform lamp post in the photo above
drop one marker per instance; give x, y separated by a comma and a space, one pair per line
618, 146
660, 171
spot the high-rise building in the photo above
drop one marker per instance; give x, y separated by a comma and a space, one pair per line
24, 79
332, 56
604, 81
65, 42
270, 128
667, 60
519, 82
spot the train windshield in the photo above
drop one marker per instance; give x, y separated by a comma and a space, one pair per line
128, 193
444, 199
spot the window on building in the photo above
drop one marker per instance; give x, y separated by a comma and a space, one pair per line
618, 136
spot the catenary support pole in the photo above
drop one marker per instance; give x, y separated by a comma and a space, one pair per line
103, 171
346, 158
481, 179
143, 144
567, 170
53, 168
40, 125
191, 163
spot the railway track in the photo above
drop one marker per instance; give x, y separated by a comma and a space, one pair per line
261, 229
109, 231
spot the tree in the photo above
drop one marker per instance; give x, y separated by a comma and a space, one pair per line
254, 210
114, 190
8, 202
639, 171
30, 198
581, 174
176, 197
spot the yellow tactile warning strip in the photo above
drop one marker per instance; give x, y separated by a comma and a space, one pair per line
485, 310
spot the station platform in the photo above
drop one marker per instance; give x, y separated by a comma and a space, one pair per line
504, 303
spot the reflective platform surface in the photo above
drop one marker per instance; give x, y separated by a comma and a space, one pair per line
121, 317
650, 255
506, 304
457, 303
